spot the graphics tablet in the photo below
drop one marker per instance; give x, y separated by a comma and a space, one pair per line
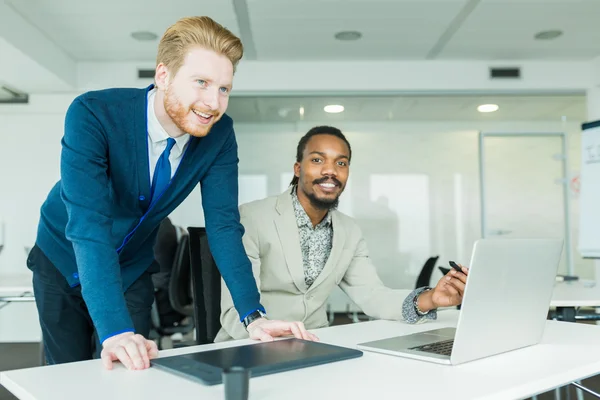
261, 359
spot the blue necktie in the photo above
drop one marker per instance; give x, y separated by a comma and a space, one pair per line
162, 172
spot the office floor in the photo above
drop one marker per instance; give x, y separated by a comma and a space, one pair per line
24, 355
16, 356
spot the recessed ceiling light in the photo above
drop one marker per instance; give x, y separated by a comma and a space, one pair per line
486, 108
333, 108
283, 112
348, 35
144, 36
548, 35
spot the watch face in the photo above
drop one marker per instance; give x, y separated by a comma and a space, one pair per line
252, 317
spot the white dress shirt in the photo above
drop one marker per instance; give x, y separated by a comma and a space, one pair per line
157, 140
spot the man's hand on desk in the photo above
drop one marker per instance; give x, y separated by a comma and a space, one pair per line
265, 330
447, 293
134, 351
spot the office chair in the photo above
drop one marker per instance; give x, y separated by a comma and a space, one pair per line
180, 288
206, 284
424, 277
180, 297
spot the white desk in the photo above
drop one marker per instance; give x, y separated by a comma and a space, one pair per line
18, 313
571, 295
15, 288
568, 352
15, 284
582, 293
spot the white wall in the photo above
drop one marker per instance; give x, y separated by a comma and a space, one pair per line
445, 155
413, 189
407, 76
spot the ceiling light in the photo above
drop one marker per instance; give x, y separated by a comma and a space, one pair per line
283, 112
486, 108
548, 35
144, 36
333, 108
301, 111
348, 35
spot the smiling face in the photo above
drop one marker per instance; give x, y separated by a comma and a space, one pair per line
323, 171
197, 96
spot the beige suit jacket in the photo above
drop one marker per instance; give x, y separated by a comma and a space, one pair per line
272, 243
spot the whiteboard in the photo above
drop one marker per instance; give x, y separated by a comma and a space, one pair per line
589, 200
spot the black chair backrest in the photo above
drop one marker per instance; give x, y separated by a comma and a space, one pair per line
180, 292
206, 283
425, 275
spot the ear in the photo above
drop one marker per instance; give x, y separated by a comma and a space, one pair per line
161, 77
297, 170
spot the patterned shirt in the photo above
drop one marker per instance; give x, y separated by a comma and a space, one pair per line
409, 312
315, 246
315, 243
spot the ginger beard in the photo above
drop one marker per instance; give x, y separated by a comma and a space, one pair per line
194, 120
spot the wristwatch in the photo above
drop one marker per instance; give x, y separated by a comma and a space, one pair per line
253, 316
416, 302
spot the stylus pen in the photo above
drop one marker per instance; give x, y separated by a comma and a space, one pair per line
455, 266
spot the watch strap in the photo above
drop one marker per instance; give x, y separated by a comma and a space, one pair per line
253, 316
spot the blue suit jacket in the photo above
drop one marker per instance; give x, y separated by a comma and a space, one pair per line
97, 225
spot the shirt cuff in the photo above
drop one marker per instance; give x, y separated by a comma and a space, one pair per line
409, 313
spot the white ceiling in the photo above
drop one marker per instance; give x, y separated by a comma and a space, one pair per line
100, 30
407, 108
304, 29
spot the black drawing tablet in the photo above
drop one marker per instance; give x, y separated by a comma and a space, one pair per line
261, 358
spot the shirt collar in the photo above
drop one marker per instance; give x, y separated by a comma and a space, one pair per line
157, 133
301, 217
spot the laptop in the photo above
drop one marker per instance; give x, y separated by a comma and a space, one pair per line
260, 359
505, 305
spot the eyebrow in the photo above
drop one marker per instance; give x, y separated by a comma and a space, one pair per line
324, 155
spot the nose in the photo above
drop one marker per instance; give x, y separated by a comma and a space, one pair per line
329, 169
211, 99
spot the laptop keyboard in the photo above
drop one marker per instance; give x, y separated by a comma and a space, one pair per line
444, 348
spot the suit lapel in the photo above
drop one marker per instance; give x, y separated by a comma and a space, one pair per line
339, 238
287, 229
141, 147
